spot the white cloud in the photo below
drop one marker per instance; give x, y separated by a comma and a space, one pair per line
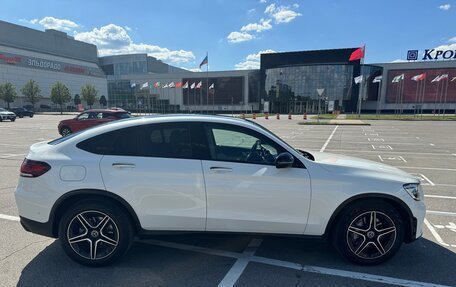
445, 7
258, 27
55, 23
250, 11
237, 37
127, 28
399, 61
114, 40
252, 61
452, 39
282, 14
262, 1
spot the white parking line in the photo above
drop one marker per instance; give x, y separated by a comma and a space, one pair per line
9, 217
328, 140
430, 168
239, 266
446, 213
434, 233
296, 266
427, 179
440, 196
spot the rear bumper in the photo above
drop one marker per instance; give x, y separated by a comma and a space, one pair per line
40, 228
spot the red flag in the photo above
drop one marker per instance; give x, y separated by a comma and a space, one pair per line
357, 54
179, 85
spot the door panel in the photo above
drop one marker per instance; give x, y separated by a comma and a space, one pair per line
256, 198
167, 194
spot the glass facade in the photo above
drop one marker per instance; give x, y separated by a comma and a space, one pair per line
227, 91
295, 88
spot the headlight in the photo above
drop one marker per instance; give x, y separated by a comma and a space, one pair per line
415, 190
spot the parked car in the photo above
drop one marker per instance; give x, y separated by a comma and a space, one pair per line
98, 189
22, 112
45, 107
29, 107
7, 115
89, 119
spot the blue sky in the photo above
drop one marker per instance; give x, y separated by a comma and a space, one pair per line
235, 32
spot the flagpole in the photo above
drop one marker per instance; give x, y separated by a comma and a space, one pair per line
423, 91
207, 82
444, 100
436, 96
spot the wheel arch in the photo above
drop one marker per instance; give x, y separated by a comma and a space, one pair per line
398, 204
73, 196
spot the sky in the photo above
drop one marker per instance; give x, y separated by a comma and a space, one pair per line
234, 33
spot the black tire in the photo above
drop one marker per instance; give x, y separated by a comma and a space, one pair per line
31, 115
21, 116
13, 120
100, 232
65, 131
362, 242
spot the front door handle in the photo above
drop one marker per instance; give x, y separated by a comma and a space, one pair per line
221, 169
123, 165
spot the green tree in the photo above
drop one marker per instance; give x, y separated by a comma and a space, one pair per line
89, 94
77, 99
103, 101
7, 93
60, 95
32, 92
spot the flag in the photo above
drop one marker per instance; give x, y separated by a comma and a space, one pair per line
419, 77
436, 79
211, 87
192, 86
454, 79
133, 85
357, 54
157, 85
444, 76
204, 62
165, 86
179, 85
145, 85
377, 79
185, 86
199, 85
397, 79
171, 85
358, 79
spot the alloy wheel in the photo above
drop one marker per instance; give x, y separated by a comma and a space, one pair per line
93, 235
371, 235
66, 132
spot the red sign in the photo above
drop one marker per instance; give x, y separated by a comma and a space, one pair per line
75, 70
10, 60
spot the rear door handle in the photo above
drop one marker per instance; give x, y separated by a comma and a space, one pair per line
123, 165
221, 169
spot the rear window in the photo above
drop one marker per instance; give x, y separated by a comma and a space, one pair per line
123, 115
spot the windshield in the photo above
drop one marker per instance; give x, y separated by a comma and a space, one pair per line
2, 110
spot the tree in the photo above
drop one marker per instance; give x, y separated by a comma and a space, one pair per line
103, 101
77, 100
32, 92
89, 94
60, 95
7, 93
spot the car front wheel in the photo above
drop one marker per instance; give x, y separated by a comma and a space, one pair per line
369, 232
95, 233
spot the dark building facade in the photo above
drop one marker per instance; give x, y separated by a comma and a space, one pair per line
289, 81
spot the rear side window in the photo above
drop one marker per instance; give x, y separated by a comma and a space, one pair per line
171, 140
122, 142
123, 115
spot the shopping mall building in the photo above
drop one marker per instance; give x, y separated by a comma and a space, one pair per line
286, 82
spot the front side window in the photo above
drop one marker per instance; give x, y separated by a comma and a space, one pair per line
83, 116
237, 144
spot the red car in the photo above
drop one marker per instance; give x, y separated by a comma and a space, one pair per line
91, 118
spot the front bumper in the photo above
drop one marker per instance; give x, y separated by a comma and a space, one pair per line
8, 117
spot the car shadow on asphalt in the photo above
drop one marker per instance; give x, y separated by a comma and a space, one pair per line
150, 265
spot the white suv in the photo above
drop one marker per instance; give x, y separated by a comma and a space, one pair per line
97, 189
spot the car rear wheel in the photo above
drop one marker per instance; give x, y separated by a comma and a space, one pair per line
95, 233
65, 131
13, 120
369, 232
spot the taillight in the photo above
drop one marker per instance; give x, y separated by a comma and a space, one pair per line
33, 168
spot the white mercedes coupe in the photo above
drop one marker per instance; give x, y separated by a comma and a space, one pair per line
97, 189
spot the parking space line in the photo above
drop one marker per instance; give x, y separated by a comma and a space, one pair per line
440, 196
434, 233
297, 266
9, 217
427, 179
429, 168
239, 266
446, 213
329, 139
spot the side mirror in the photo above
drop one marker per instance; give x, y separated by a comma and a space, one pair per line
284, 160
